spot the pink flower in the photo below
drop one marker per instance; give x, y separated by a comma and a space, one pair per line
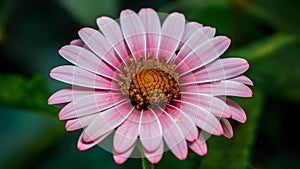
150, 81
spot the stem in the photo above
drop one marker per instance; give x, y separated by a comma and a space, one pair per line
146, 164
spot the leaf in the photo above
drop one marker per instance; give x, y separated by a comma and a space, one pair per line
235, 153
86, 12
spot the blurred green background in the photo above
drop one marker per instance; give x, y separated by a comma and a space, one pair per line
265, 32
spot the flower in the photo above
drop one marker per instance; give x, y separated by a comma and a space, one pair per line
149, 80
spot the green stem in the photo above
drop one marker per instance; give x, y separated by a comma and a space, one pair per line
146, 164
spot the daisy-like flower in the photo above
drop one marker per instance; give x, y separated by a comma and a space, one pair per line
151, 82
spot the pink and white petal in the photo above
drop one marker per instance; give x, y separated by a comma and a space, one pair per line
219, 69
185, 123
173, 136
81, 122
107, 120
201, 35
171, 34
89, 105
82, 145
100, 46
77, 42
134, 33
228, 132
201, 117
210, 103
190, 28
86, 59
61, 96
80, 77
242, 79
199, 146
203, 54
121, 158
127, 133
112, 31
150, 131
152, 27
237, 111
155, 157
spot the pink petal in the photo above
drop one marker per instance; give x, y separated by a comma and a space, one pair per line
199, 146
81, 122
185, 123
112, 31
61, 96
77, 42
172, 135
190, 28
121, 158
171, 34
107, 121
222, 88
201, 117
89, 105
87, 60
100, 46
200, 36
218, 70
80, 77
203, 54
152, 27
242, 79
150, 131
210, 103
127, 133
228, 132
134, 33
155, 157
238, 113
82, 145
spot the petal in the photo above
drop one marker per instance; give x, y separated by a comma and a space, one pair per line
100, 46
210, 103
86, 59
127, 133
171, 34
134, 33
81, 122
82, 145
89, 105
61, 96
200, 36
228, 132
152, 27
173, 135
218, 70
238, 113
203, 54
107, 121
112, 32
121, 158
222, 88
77, 42
80, 77
185, 123
190, 28
155, 157
201, 117
242, 79
150, 131
199, 146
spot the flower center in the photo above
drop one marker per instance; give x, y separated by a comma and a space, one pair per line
149, 83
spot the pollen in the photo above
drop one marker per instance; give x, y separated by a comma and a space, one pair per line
149, 83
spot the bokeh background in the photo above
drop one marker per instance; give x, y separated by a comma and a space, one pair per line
265, 32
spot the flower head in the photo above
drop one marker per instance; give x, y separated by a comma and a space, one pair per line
148, 80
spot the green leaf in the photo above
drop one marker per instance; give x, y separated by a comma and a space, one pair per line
235, 153
86, 12
30, 94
